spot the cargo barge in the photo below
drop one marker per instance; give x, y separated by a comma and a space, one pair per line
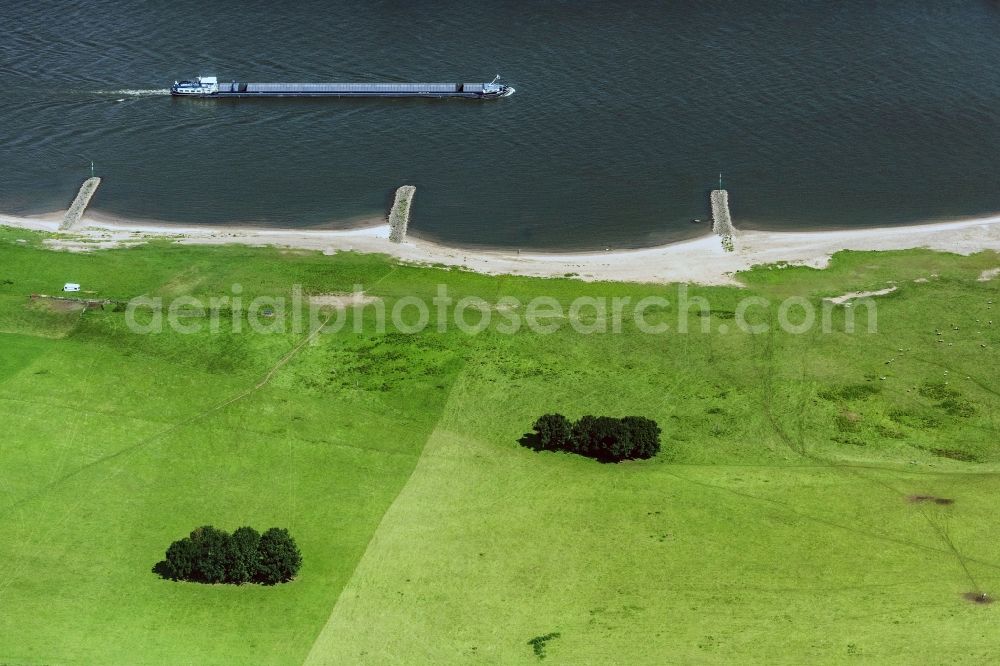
209, 87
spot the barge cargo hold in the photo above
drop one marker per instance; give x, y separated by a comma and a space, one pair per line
209, 87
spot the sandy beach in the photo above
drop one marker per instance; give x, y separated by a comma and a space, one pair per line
702, 260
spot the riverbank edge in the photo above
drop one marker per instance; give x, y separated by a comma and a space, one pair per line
701, 260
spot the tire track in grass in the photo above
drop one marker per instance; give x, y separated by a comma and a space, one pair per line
154, 437
853, 465
265, 379
284, 360
178, 425
800, 448
63, 407
81, 416
826, 521
941, 529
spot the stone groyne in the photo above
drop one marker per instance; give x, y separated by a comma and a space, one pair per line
83, 197
722, 223
399, 216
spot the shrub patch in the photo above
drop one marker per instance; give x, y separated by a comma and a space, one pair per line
210, 555
603, 438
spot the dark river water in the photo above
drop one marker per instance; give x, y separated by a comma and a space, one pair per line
819, 114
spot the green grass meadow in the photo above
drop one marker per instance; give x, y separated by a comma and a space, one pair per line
824, 497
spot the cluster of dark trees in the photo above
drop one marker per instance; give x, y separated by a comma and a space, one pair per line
605, 438
210, 555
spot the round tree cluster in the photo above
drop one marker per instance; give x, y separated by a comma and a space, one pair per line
210, 555
605, 438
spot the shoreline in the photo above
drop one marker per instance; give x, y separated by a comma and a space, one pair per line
701, 260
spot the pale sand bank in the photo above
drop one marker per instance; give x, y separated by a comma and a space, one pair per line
702, 260
850, 296
989, 274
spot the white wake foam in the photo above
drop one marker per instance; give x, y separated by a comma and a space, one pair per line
137, 93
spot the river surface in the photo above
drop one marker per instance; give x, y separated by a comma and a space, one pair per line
819, 114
